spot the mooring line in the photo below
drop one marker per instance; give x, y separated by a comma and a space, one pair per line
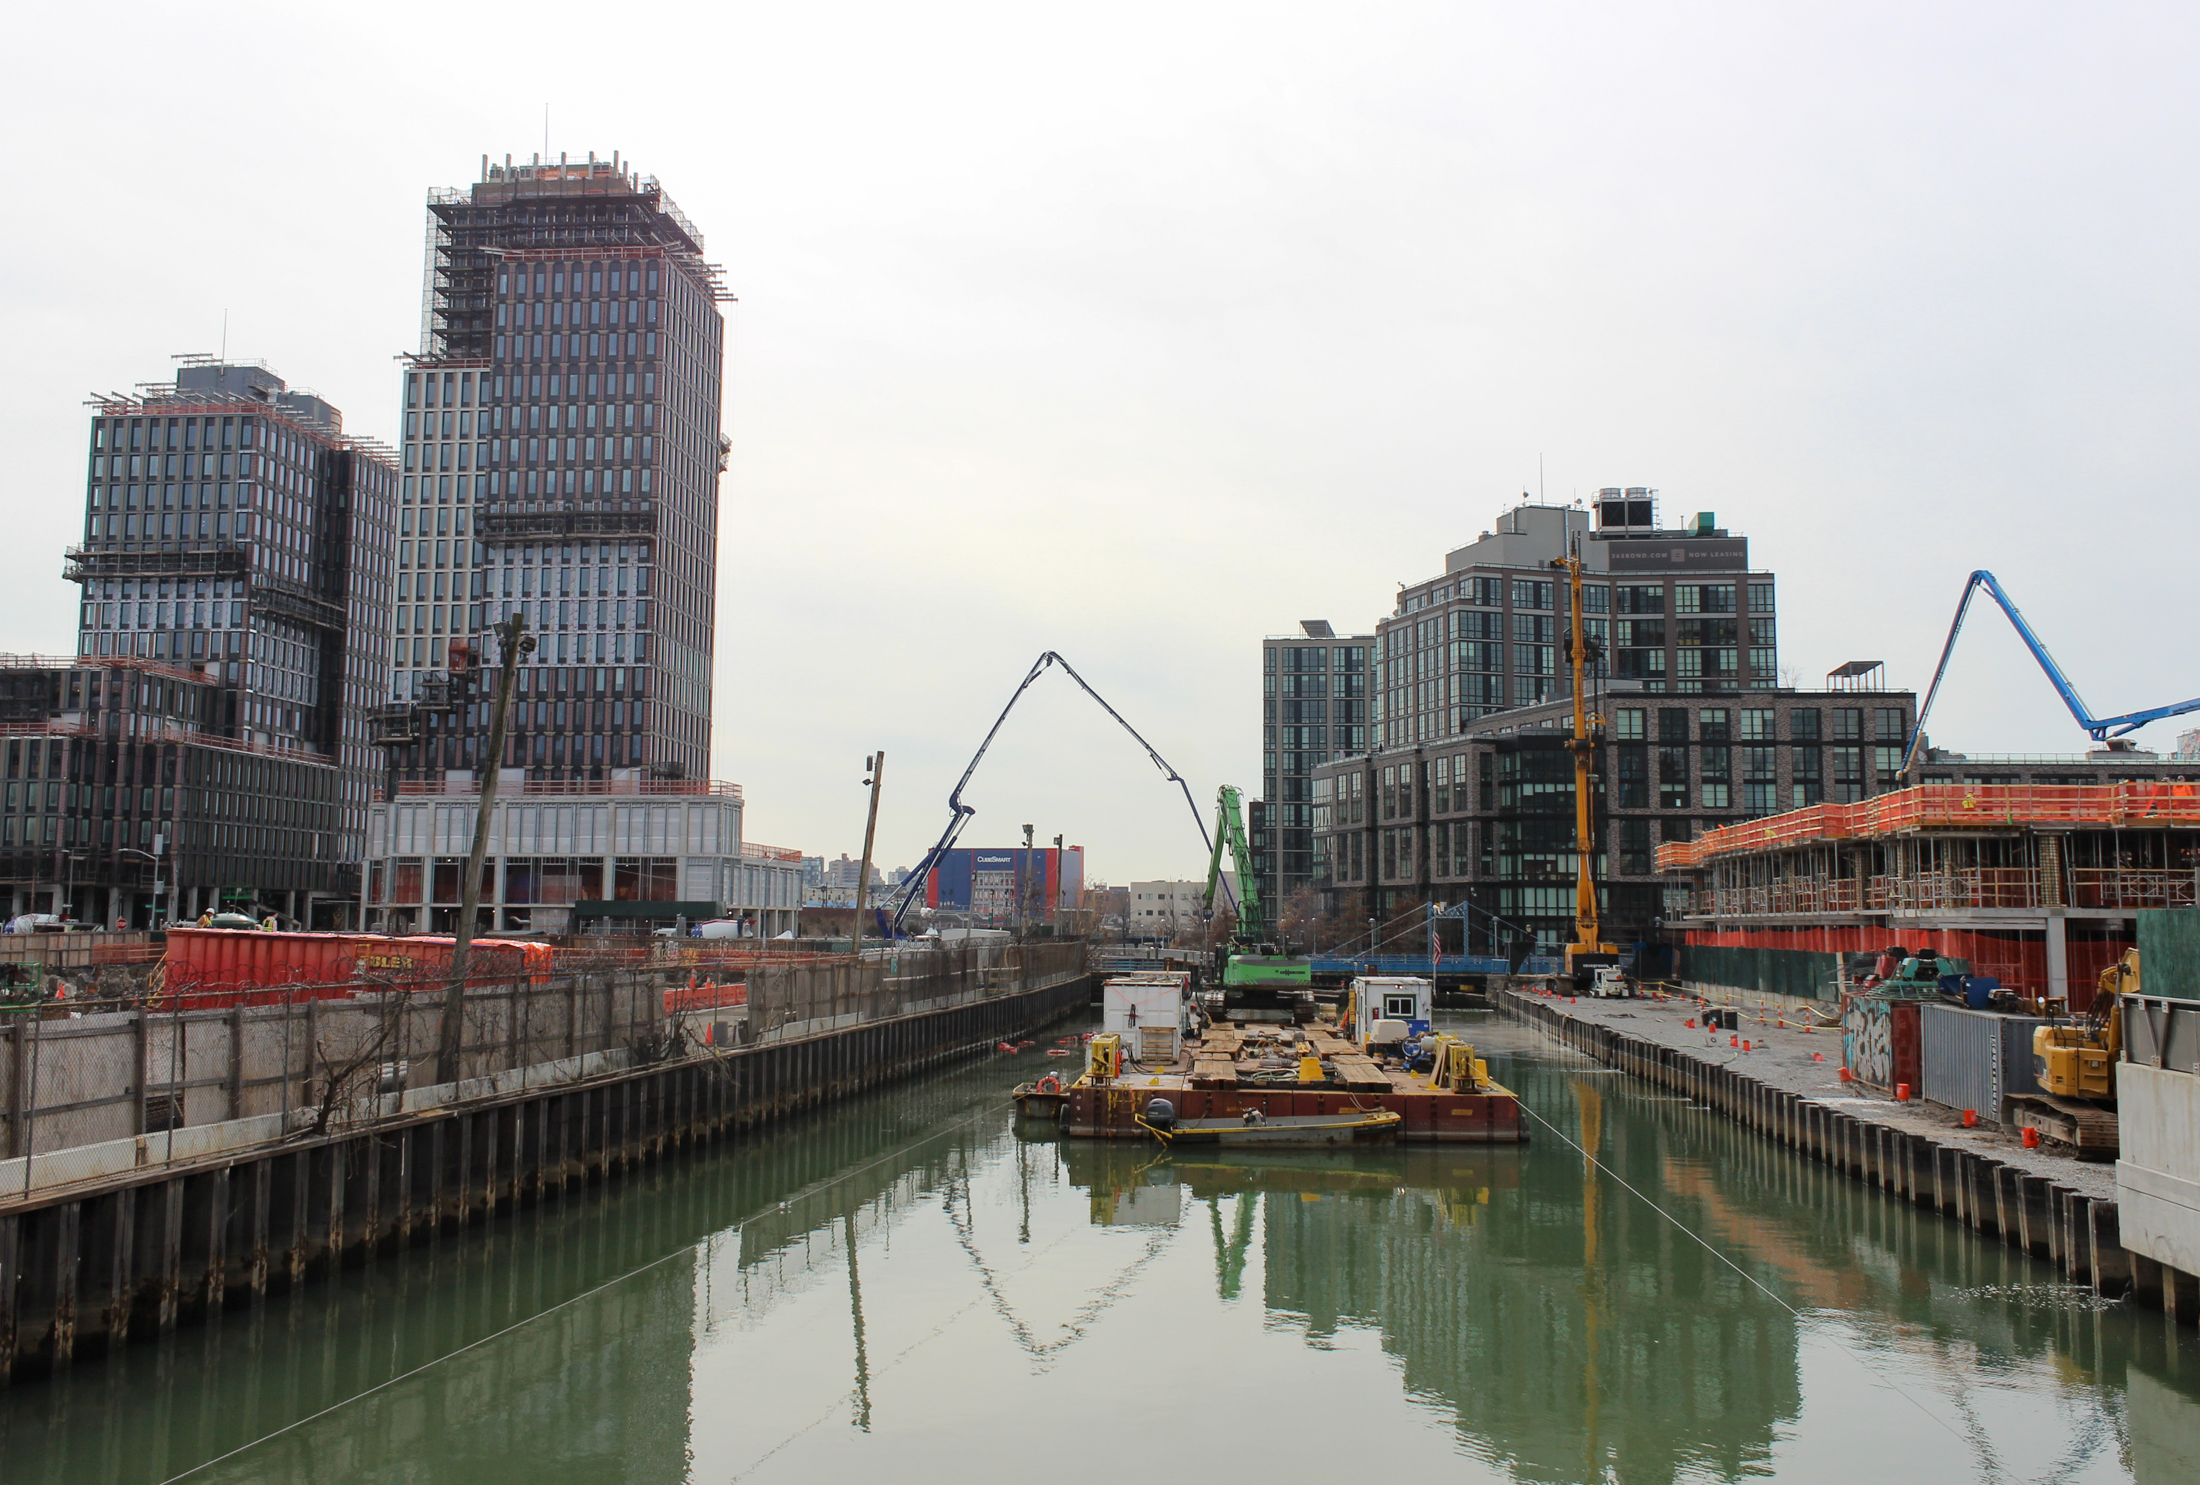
1709, 1247
425, 1366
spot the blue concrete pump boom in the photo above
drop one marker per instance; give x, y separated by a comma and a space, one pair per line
2099, 728
959, 813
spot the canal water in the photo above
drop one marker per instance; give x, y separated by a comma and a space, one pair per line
908, 1288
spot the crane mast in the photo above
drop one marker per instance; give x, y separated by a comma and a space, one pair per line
1588, 947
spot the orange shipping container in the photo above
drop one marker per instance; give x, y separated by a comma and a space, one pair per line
218, 967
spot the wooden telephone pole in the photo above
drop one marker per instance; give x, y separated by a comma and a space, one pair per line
875, 766
513, 641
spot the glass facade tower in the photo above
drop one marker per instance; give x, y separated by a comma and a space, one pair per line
234, 534
561, 458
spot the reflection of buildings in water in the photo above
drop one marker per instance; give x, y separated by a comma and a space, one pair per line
1640, 1362
1566, 1332
605, 1295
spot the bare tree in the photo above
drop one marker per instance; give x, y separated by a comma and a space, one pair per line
362, 1071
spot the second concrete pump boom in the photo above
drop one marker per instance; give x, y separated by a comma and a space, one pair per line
959, 813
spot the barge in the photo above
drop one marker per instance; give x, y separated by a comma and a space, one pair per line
1378, 1059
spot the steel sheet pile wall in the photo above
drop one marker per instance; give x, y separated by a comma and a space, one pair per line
131, 1255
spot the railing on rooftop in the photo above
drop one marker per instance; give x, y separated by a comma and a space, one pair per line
754, 852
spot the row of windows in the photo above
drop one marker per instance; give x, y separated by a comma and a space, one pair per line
1472, 633
558, 411
1596, 598
578, 448
1760, 724
458, 388
519, 582
553, 347
1316, 657
618, 278
1314, 684
192, 433
622, 482
551, 649
552, 314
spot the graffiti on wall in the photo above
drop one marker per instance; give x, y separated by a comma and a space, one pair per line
1867, 1042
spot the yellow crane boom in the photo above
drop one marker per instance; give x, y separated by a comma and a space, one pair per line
1588, 931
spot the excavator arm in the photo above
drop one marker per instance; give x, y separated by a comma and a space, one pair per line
1252, 922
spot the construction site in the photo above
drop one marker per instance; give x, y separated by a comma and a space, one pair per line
2035, 885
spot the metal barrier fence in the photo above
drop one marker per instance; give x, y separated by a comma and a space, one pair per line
93, 1087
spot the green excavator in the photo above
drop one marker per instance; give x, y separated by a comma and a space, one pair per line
1261, 979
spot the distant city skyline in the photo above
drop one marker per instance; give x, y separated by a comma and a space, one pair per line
1155, 349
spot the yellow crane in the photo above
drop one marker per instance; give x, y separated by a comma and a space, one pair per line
1588, 950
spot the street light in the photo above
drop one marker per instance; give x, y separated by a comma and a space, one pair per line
154, 856
68, 890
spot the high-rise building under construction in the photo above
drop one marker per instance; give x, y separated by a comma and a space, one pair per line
561, 457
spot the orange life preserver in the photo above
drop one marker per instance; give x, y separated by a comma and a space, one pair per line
1049, 1084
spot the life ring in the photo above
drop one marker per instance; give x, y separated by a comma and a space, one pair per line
1049, 1084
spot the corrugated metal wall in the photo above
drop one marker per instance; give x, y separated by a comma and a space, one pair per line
1976, 1059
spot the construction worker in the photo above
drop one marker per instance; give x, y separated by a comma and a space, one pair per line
271, 924
206, 919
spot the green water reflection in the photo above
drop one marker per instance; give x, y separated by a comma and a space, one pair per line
909, 1287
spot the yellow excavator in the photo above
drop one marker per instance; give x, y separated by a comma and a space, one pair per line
2076, 1067
1591, 963
2079, 1060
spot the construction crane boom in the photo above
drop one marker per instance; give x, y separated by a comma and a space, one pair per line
959, 814
1588, 946
2099, 728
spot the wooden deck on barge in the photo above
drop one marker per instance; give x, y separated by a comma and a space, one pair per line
1212, 1080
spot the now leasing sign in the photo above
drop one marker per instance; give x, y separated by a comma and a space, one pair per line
1678, 556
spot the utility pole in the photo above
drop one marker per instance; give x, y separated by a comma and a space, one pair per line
875, 766
1023, 879
513, 641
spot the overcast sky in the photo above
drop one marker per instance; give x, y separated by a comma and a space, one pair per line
1138, 332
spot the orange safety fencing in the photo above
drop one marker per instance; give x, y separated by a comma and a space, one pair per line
1948, 807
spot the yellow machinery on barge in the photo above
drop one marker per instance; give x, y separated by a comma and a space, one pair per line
1319, 1079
